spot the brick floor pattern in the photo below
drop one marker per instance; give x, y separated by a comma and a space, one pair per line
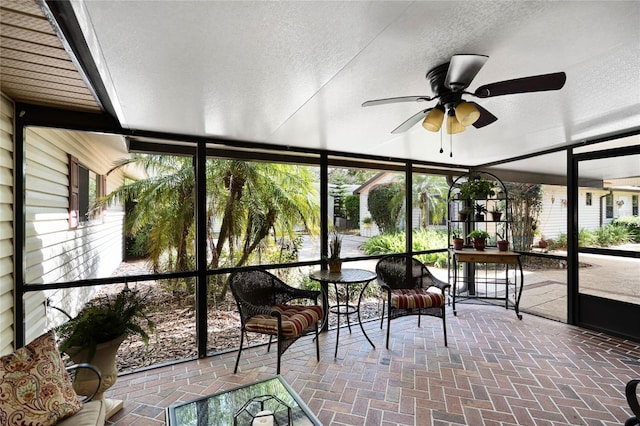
497, 370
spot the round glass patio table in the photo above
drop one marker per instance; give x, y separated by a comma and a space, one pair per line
346, 278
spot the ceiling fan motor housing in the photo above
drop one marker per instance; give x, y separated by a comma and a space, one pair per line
436, 77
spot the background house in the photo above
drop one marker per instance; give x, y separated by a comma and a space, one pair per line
64, 240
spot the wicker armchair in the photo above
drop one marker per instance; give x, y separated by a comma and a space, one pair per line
263, 302
631, 392
421, 294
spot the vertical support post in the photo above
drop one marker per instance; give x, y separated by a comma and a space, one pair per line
573, 273
19, 201
324, 208
408, 200
200, 163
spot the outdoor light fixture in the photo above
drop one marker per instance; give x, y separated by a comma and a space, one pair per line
433, 121
467, 113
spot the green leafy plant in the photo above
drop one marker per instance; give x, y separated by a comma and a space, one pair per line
632, 224
352, 207
105, 319
384, 204
476, 188
335, 245
478, 233
466, 210
479, 208
423, 239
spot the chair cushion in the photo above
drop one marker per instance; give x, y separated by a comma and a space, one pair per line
35, 388
416, 298
295, 319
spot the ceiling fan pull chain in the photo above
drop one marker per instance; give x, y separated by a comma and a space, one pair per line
441, 150
451, 146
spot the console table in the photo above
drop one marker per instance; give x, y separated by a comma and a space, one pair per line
473, 287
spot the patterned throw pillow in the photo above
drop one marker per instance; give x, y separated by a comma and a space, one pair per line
35, 388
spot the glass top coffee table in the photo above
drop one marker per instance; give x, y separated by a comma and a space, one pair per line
221, 408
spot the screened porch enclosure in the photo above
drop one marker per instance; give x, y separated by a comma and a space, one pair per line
290, 245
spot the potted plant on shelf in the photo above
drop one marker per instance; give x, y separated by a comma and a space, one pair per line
458, 241
465, 213
480, 211
496, 214
502, 243
479, 239
335, 245
476, 188
95, 334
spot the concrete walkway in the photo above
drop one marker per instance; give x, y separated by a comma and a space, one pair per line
545, 291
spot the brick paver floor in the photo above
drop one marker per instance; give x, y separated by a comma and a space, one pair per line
497, 370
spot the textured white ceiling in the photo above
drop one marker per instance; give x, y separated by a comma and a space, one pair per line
295, 73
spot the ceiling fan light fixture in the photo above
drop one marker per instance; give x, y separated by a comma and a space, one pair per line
433, 121
467, 113
453, 125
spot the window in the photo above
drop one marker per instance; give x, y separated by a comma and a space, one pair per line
609, 206
589, 198
634, 205
85, 186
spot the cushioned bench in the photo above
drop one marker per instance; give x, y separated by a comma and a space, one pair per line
35, 388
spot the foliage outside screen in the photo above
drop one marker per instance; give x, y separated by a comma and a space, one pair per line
384, 206
526, 204
254, 211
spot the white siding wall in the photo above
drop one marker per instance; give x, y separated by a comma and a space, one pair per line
54, 252
553, 217
622, 204
6, 226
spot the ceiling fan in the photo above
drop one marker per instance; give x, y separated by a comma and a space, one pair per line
448, 83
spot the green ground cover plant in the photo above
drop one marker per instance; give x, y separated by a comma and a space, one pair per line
423, 239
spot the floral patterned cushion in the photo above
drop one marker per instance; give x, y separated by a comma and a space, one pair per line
35, 388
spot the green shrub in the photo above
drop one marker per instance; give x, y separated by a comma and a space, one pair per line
607, 236
385, 205
352, 207
632, 225
423, 239
586, 238
385, 244
611, 235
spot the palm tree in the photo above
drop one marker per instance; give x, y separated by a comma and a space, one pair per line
164, 203
247, 203
254, 198
429, 193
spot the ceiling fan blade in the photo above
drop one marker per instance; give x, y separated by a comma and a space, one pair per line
462, 70
411, 121
398, 99
536, 83
486, 117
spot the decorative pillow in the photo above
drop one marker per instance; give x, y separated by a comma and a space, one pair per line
35, 388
